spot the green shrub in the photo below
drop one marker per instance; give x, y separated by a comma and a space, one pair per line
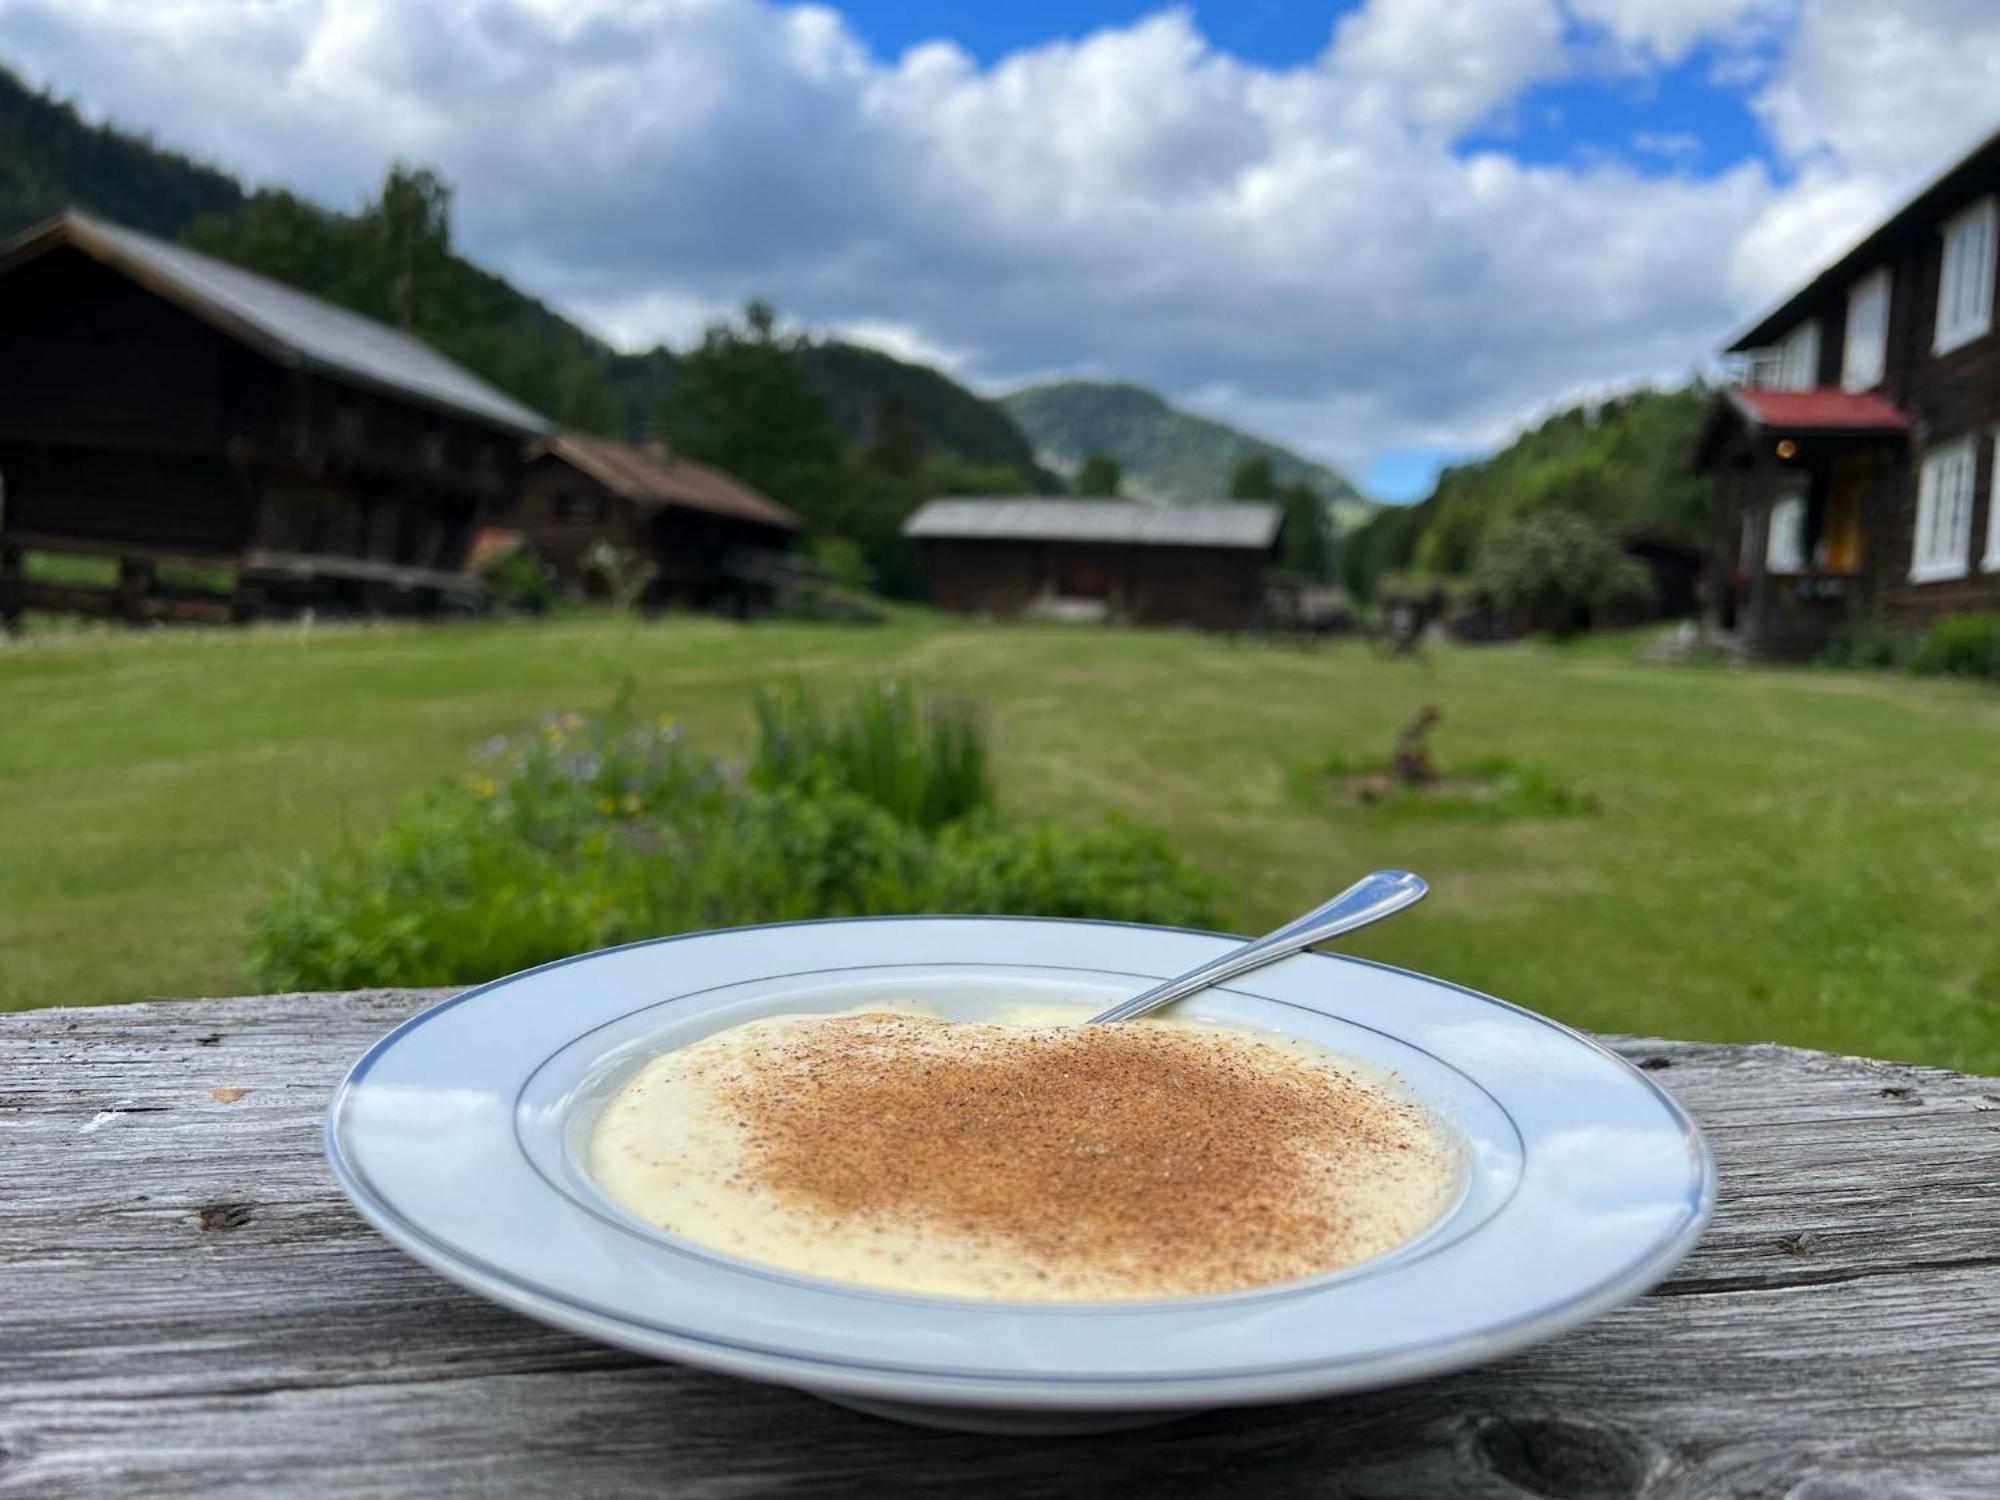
1960, 646
1558, 569
517, 579
788, 854
1115, 869
844, 562
1871, 643
588, 832
550, 845
922, 760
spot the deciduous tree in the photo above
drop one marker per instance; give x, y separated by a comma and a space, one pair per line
1098, 475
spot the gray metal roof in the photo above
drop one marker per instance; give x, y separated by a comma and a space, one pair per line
1251, 524
288, 324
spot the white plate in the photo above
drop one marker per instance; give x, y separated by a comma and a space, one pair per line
460, 1136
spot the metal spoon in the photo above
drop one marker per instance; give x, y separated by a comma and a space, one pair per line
1369, 899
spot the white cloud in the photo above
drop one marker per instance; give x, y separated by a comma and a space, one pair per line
1674, 145
1667, 30
1311, 249
905, 341
1445, 63
1891, 90
635, 319
1809, 226
1867, 101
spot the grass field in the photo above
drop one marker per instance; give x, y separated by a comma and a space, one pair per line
1801, 856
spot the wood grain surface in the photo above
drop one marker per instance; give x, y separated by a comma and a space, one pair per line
189, 1307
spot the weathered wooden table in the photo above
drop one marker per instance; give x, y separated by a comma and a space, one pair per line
191, 1308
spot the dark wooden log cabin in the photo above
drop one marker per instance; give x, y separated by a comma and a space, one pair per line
1199, 565
160, 407
713, 542
1854, 463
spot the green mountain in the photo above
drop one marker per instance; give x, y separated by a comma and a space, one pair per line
866, 390
1165, 453
1621, 463
393, 261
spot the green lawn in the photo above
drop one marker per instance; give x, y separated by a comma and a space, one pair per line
102, 573
1802, 856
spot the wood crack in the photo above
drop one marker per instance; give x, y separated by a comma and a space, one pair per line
1717, 1286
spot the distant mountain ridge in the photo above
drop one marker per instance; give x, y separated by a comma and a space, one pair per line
1164, 452
862, 386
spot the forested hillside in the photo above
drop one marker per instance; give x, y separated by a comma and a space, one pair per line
1163, 453
51, 157
1618, 463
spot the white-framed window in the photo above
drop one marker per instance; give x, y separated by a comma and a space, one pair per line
1798, 358
1746, 544
1944, 513
1865, 345
1965, 278
1785, 545
1762, 367
1991, 562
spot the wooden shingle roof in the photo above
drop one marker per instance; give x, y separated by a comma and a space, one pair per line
285, 324
654, 478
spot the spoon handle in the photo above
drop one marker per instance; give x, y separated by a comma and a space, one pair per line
1369, 899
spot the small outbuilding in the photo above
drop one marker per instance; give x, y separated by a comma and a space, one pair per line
1201, 564
1673, 562
170, 413
710, 540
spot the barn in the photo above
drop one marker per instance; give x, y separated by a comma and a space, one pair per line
1201, 564
712, 542
174, 415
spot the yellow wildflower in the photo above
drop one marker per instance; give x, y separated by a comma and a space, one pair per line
607, 806
631, 803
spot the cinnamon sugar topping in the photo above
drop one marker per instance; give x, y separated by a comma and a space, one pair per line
1058, 1162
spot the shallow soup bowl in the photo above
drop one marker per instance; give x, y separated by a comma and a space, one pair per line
464, 1137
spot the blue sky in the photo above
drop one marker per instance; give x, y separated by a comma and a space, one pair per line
1384, 232
1264, 31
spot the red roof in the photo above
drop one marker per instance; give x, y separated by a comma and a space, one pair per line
1824, 409
656, 477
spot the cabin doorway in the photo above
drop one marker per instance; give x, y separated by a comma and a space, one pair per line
1848, 483
1081, 574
